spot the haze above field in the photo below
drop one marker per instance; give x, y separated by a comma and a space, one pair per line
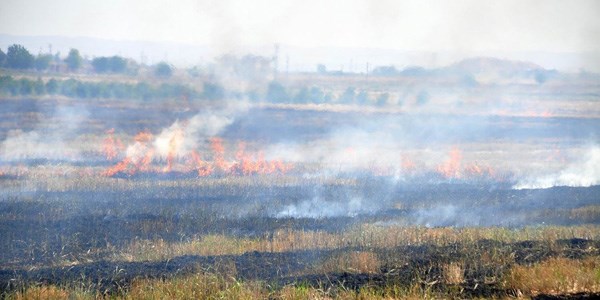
341, 34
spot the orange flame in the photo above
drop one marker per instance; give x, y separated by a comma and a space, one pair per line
203, 168
111, 146
138, 164
407, 164
174, 144
118, 168
451, 167
256, 164
216, 144
141, 154
476, 170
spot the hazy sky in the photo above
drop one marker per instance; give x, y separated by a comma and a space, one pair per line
554, 26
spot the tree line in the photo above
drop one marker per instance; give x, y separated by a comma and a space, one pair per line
275, 92
19, 58
10, 86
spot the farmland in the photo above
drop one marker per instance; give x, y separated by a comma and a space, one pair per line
236, 198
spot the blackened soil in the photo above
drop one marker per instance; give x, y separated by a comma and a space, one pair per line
416, 264
44, 226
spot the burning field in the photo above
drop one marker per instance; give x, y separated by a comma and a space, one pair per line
256, 200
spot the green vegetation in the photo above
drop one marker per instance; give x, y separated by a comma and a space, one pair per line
42, 61
113, 64
74, 60
2, 58
18, 57
163, 69
10, 86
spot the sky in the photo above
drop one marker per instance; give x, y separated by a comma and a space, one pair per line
425, 25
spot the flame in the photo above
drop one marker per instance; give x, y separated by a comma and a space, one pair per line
216, 144
120, 167
247, 164
203, 168
476, 170
140, 156
174, 144
111, 146
451, 167
407, 164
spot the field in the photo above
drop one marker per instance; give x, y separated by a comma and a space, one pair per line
195, 199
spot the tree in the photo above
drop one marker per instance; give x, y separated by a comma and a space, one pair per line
52, 86
39, 87
385, 71
362, 98
383, 98
277, 93
163, 69
114, 64
17, 57
422, 98
100, 64
348, 96
42, 61
317, 95
303, 96
73, 60
321, 69
118, 64
2, 58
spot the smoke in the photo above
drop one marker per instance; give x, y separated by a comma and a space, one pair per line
182, 137
49, 140
584, 172
319, 208
171, 139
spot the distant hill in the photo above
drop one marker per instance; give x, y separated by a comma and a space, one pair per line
492, 69
298, 58
478, 65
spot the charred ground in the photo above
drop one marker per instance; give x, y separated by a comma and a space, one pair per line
373, 201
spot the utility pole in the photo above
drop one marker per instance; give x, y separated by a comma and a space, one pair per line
276, 60
367, 75
287, 65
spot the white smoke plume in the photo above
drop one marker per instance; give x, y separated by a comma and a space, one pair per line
319, 208
49, 140
184, 136
582, 173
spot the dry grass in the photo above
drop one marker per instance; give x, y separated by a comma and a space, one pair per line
552, 276
43, 292
146, 250
453, 273
586, 213
51, 292
364, 236
556, 276
198, 286
210, 286
351, 262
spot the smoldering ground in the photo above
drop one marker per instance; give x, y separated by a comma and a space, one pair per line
50, 139
373, 158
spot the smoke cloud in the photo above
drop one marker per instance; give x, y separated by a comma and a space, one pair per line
182, 137
584, 173
320, 208
50, 138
